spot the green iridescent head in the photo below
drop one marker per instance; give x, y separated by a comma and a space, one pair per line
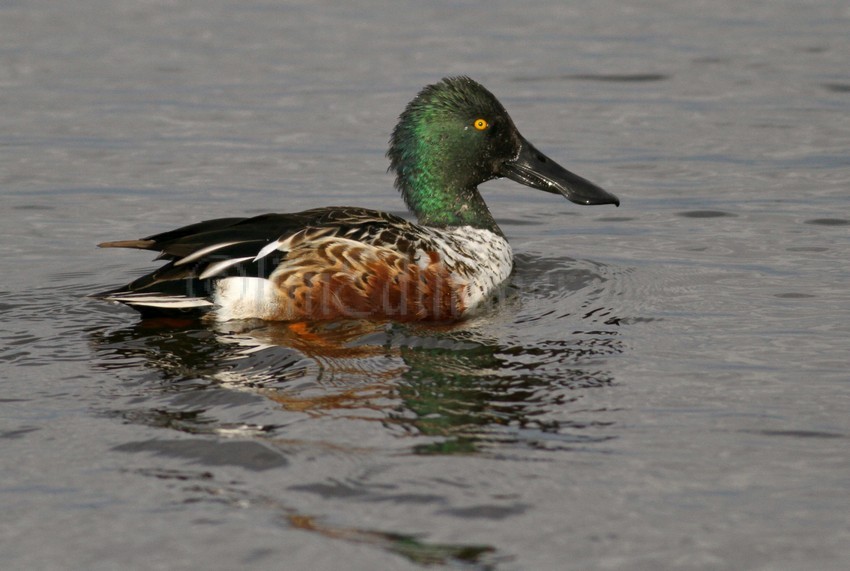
455, 135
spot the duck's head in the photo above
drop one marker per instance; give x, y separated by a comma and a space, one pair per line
455, 135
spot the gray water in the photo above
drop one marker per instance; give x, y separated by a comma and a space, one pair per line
662, 386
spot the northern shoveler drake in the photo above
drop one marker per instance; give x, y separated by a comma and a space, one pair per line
348, 262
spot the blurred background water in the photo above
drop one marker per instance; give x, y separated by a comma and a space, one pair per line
662, 386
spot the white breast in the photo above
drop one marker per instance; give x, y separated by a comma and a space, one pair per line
479, 258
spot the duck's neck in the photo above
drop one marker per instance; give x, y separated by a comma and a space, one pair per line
440, 201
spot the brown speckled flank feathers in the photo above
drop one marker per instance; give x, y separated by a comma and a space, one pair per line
343, 262
338, 277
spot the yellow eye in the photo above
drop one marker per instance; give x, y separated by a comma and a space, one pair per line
480, 124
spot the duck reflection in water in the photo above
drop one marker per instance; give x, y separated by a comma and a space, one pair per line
448, 384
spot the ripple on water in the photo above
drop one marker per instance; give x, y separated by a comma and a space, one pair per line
601, 77
250, 455
828, 222
705, 214
837, 87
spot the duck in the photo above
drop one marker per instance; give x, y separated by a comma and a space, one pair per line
349, 262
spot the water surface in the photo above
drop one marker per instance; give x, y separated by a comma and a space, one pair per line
661, 386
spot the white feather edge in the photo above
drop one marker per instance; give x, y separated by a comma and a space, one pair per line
174, 302
268, 249
218, 267
203, 252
